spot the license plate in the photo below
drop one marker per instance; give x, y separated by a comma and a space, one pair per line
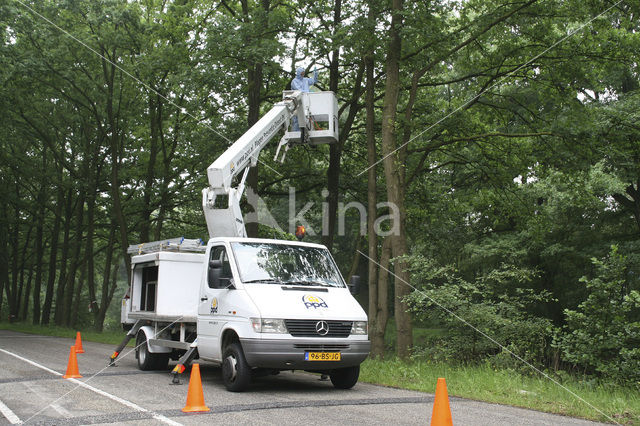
322, 356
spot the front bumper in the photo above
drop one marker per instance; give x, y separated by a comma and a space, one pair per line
289, 354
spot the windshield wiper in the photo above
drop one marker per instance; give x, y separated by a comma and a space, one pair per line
308, 283
265, 281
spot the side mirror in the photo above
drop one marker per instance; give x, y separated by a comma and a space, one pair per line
213, 275
354, 286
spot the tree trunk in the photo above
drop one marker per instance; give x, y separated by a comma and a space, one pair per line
380, 310
168, 152
403, 318
12, 298
75, 308
93, 176
4, 258
89, 260
355, 262
394, 181
39, 243
254, 98
25, 302
53, 254
75, 261
114, 284
155, 123
99, 311
23, 262
62, 277
114, 135
253, 95
376, 330
335, 150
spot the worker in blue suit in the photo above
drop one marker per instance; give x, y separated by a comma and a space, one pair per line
302, 84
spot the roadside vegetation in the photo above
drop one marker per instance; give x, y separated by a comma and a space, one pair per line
111, 337
500, 379
506, 386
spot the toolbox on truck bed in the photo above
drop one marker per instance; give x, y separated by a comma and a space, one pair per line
165, 286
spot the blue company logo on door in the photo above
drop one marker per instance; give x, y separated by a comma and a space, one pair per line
315, 302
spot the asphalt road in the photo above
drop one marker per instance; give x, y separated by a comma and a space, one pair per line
33, 391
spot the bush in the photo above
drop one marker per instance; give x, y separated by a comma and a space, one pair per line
495, 304
602, 336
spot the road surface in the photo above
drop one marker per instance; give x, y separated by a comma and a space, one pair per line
32, 391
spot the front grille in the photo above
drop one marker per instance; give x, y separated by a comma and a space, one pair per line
307, 328
321, 347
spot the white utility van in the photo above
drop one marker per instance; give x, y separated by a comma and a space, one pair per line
253, 306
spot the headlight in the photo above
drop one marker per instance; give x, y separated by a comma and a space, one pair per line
359, 327
268, 325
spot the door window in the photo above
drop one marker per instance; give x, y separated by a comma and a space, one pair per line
220, 253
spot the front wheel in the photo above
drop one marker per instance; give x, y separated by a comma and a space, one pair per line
236, 373
345, 378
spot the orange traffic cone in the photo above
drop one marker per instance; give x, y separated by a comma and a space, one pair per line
441, 415
79, 349
72, 366
195, 395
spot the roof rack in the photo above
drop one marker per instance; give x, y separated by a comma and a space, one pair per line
173, 244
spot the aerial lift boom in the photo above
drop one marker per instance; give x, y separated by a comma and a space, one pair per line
317, 114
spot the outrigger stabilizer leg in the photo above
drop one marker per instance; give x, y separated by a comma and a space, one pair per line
184, 362
127, 337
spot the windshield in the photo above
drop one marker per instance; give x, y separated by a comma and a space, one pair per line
285, 264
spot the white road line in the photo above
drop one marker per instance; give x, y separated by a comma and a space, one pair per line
122, 401
10, 415
60, 409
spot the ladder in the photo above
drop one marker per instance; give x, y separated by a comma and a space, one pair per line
173, 244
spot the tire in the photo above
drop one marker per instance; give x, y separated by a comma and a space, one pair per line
236, 373
345, 378
146, 360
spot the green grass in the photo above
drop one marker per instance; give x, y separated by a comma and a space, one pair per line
484, 383
110, 337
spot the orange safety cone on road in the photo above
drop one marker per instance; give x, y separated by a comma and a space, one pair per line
72, 366
78, 345
195, 395
441, 415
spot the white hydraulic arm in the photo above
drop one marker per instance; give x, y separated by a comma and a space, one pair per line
309, 108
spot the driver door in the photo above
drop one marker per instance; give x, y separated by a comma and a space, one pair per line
211, 315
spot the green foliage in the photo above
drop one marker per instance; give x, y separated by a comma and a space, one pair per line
269, 232
496, 304
602, 336
113, 337
504, 386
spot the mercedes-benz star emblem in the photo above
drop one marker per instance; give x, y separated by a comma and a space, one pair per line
322, 328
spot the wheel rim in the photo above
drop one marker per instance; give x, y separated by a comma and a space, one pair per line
232, 369
142, 352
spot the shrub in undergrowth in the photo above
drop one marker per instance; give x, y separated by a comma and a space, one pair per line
483, 317
602, 336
